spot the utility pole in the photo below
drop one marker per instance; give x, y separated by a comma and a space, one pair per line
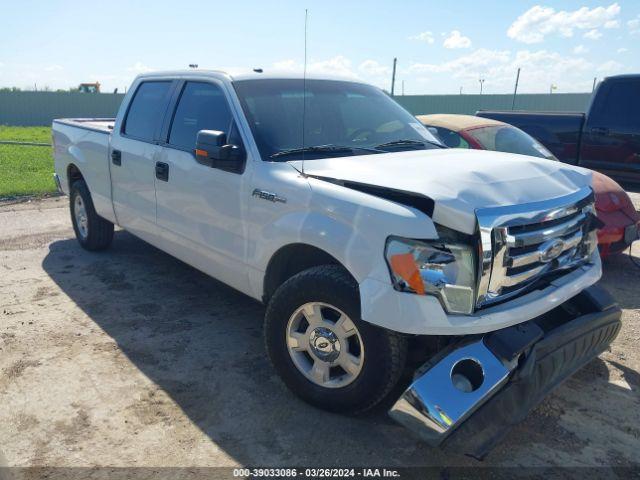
515, 90
481, 80
403, 88
460, 90
393, 76
552, 87
594, 84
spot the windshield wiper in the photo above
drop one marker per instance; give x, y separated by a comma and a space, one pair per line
408, 143
324, 149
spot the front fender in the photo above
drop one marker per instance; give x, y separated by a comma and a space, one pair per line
349, 225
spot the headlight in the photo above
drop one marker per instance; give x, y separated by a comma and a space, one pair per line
441, 268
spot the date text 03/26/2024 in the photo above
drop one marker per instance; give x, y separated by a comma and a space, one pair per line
316, 472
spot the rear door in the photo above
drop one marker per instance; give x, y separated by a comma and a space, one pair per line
201, 208
611, 138
134, 152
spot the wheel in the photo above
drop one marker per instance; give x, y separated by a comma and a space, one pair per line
321, 348
92, 231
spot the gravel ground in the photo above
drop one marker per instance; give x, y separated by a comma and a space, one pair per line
131, 358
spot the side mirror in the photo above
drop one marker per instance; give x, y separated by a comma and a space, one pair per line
213, 150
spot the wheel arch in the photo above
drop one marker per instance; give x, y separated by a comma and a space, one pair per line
292, 259
73, 174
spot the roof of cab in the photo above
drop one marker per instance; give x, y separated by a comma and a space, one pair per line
456, 123
245, 75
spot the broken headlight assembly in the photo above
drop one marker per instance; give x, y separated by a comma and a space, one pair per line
445, 268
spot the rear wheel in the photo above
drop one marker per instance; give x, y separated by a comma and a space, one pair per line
322, 349
92, 231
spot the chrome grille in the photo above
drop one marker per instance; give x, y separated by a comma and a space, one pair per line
522, 244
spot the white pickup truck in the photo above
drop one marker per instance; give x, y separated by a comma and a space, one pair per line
455, 286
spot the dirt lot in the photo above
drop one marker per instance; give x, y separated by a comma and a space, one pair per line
132, 358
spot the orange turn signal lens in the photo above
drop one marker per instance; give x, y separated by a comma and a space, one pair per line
404, 266
201, 153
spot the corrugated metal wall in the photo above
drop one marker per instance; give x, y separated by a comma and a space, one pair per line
39, 108
469, 104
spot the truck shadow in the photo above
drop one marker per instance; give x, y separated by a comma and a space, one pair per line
621, 276
200, 343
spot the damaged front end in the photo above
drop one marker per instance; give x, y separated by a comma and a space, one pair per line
469, 396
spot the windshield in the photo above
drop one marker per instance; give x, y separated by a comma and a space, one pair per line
341, 118
506, 138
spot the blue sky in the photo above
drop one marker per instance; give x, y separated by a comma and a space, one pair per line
441, 46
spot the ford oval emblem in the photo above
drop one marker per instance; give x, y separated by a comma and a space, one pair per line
551, 250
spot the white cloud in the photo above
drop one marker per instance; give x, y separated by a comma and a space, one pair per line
612, 24
53, 68
139, 67
456, 40
539, 69
478, 61
622, 50
634, 25
337, 66
426, 37
538, 22
580, 50
369, 70
593, 34
287, 65
610, 67
374, 68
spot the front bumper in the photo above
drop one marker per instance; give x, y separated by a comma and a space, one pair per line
469, 396
402, 312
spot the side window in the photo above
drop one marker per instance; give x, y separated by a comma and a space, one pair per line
619, 107
202, 106
146, 110
451, 139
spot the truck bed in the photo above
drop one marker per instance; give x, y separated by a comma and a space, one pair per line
103, 125
82, 144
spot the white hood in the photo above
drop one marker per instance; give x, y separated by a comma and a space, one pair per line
459, 181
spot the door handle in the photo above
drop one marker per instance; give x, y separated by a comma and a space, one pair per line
599, 131
116, 157
162, 171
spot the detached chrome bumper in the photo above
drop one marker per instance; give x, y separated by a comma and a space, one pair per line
468, 397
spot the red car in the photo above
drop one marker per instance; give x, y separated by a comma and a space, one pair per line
613, 205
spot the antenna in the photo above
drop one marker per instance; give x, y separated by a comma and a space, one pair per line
304, 85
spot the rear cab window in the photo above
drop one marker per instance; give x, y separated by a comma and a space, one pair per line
618, 107
146, 111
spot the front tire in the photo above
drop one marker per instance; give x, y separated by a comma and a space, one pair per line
321, 348
92, 231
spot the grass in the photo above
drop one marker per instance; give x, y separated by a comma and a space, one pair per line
26, 170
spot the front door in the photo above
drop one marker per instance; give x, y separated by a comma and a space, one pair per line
611, 137
200, 209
